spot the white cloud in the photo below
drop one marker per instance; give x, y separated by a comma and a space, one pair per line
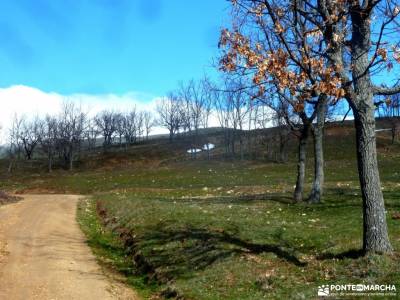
31, 102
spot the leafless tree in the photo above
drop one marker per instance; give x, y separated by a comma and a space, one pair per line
91, 133
283, 120
232, 107
224, 110
29, 135
119, 127
148, 121
107, 123
49, 138
389, 108
170, 115
129, 126
15, 144
139, 125
241, 111
71, 128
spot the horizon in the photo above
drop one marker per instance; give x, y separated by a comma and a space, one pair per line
92, 52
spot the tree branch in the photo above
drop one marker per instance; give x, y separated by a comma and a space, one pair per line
385, 91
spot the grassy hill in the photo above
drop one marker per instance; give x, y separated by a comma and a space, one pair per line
223, 228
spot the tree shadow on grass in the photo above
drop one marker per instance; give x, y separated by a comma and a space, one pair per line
178, 252
241, 199
353, 253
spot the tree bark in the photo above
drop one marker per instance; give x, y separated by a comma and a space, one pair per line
10, 165
50, 162
394, 129
71, 159
301, 165
375, 233
241, 148
318, 136
283, 140
233, 150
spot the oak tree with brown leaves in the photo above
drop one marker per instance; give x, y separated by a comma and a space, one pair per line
309, 48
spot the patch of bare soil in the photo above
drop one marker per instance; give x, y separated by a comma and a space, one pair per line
37, 191
44, 255
6, 198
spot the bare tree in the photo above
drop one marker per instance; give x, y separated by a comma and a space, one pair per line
139, 125
119, 127
170, 115
234, 110
208, 94
284, 120
71, 128
389, 108
91, 133
29, 135
224, 110
15, 143
49, 138
130, 126
240, 114
107, 123
148, 123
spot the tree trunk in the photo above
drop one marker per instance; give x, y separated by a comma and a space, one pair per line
318, 136
317, 187
301, 165
233, 151
282, 145
28, 154
249, 143
71, 159
375, 233
10, 165
50, 162
393, 131
241, 148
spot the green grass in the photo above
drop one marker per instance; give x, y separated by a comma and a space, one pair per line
109, 249
241, 249
228, 230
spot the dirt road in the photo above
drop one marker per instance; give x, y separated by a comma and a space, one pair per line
43, 254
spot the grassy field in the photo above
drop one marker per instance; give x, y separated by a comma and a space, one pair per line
227, 230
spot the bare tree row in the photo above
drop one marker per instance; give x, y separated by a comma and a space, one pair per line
227, 105
186, 109
63, 137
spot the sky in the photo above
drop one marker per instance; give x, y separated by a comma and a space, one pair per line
106, 54
107, 46
97, 50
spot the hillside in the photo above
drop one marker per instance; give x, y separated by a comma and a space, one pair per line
223, 228
159, 151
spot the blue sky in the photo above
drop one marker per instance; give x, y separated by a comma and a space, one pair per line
108, 46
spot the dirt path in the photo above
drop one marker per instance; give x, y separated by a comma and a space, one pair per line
43, 254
